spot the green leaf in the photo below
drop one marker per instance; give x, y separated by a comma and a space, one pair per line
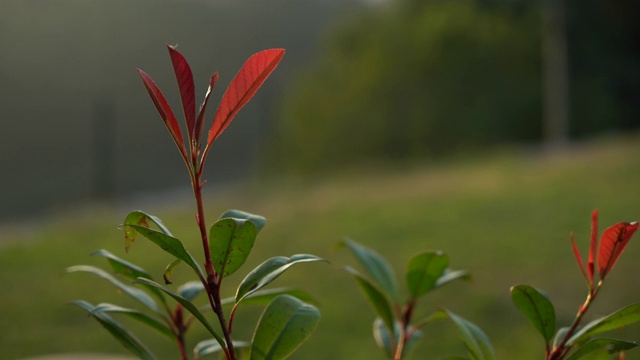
560, 334
452, 275
118, 331
169, 244
168, 271
129, 270
284, 325
375, 265
610, 345
264, 297
191, 290
231, 241
537, 308
135, 314
434, 316
135, 293
375, 297
209, 347
257, 220
269, 271
143, 219
476, 341
623, 317
383, 337
188, 305
424, 270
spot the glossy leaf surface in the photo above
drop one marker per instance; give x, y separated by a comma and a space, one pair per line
257, 220
127, 269
452, 275
285, 324
199, 125
612, 346
376, 266
191, 290
169, 244
242, 88
231, 241
210, 347
268, 271
184, 77
137, 315
424, 270
264, 297
475, 340
165, 112
537, 308
119, 332
143, 219
621, 318
188, 305
375, 297
131, 291
612, 244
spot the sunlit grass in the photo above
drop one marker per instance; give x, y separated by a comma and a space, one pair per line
505, 217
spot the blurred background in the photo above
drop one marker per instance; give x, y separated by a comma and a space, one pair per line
485, 128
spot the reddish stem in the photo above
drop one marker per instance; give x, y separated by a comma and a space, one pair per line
561, 350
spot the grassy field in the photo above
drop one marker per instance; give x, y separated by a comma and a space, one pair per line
505, 217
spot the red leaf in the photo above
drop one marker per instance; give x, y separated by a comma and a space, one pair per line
576, 253
593, 244
199, 127
184, 76
165, 112
242, 88
612, 244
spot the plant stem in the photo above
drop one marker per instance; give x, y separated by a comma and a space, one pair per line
212, 284
561, 350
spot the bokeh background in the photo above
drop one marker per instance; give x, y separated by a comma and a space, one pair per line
485, 128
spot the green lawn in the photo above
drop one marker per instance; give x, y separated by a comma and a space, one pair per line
505, 217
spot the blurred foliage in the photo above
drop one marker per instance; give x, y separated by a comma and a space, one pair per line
415, 79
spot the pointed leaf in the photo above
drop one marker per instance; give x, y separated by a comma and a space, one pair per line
452, 275
129, 270
476, 341
537, 308
165, 112
257, 220
169, 244
375, 297
592, 245
562, 332
612, 244
242, 88
375, 265
137, 315
383, 337
191, 290
621, 318
199, 126
231, 241
264, 297
612, 346
140, 218
210, 347
424, 270
269, 271
184, 77
284, 325
188, 305
126, 338
168, 271
435, 316
578, 256
133, 292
